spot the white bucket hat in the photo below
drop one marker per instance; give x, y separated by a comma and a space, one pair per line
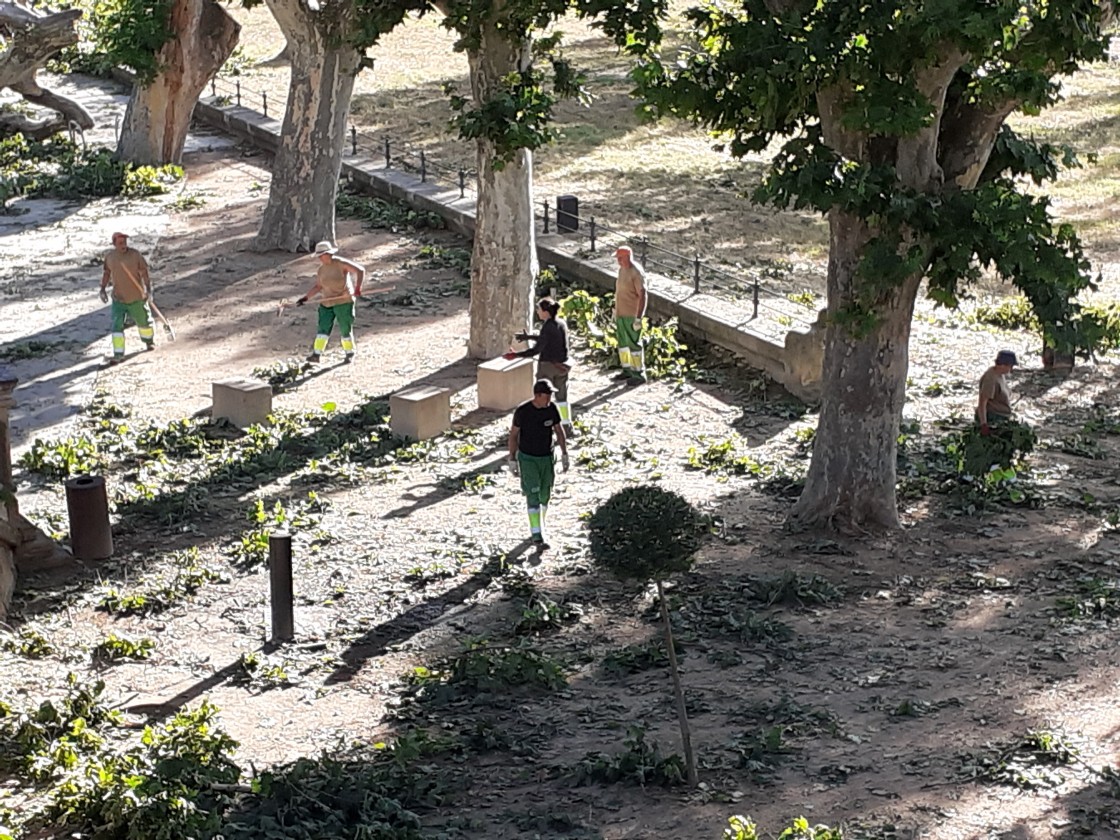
325, 247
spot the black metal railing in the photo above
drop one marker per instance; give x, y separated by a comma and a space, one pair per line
701, 274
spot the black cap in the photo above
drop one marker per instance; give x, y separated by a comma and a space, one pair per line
1006, 357
544, 386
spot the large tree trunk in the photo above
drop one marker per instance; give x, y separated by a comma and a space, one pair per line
851, 482
504, 262
34, 38
159, 114
301, 200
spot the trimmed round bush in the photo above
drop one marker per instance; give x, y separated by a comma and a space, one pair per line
646, 532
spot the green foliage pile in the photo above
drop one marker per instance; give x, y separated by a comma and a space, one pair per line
639, 763
1098, 322
591, 319
744, 828
59, 168
384, 215
158, 596
486, 668
63, 457
976, 471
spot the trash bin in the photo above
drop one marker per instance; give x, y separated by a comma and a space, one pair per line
87, 505
567, 214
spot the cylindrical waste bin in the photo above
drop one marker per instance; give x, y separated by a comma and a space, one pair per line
567, 214
87, 504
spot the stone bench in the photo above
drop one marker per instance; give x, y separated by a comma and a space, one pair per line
504, 384
243, 402
420, 413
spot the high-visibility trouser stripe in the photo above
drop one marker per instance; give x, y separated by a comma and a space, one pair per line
535, 521
565, 412
118, 344
320, 343
347, 343
147, 334
624, 357
637, 360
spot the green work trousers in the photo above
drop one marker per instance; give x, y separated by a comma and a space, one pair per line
138, 311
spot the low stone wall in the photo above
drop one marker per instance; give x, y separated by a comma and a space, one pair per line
795, 362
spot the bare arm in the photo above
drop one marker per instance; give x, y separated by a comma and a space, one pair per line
359, 272
314, 290
643, 298
514, 439
105, 275
145, 278
561, 439
982, 409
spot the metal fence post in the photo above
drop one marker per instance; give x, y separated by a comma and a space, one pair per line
644, 246
545, 202
238, 84
388, 154
264, 102
591, 231
754, 299
462, 182
214, 87
280, 586
696, 273
354, 139
423, 167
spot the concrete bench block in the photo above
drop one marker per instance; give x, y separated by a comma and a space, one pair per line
504, 384
420, 413
242, 401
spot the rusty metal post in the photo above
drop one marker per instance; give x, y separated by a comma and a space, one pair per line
462, 182
354, 139
423, 168
546, 215
754, 299
696, 273
388, 154
87, 505
238, 92
264, 102
280, 586
591, 228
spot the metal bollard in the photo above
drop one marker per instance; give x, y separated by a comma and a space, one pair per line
354, 139
644, 250
87, 505
545, 215
388, 155
264, 102
754, 298
696, 273
238, 92
462, 182
423, 168
591, 231
214, 87
280, 586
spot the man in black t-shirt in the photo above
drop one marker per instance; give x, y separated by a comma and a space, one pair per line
535, 424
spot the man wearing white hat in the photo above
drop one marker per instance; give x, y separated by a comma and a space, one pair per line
340, 282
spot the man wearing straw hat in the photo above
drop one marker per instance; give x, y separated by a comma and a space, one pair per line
333, 281
127, 272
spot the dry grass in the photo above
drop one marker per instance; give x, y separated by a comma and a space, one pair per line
666, 180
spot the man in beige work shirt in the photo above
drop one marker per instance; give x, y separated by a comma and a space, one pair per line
629, 309
127, 272
333, 281
994, 404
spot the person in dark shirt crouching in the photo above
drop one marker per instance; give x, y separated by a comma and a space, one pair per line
535, 424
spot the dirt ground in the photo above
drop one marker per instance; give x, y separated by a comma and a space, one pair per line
891, 679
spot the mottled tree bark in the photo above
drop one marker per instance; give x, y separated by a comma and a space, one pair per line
504, 261
850, 486
32, 39
301, 200
159, 113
